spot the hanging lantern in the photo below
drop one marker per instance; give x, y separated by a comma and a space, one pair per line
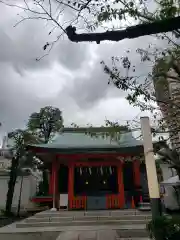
110, 170
90, 172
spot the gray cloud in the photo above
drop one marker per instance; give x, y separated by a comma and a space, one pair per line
93, 86
17, 102
20, 46
70, 78
72, 55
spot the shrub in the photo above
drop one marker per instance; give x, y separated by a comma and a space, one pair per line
164, 228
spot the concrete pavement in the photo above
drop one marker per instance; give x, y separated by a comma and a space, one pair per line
94, 235
97, 225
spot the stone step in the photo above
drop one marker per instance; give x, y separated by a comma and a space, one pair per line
144, 208
145, 204
106, 235
29, 235
69, 235
135, 234
80, 223
88, 235
141, 238
89, 213
87, 218
54, 235
47, 233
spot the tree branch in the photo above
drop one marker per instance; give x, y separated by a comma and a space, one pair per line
31, 18
136, 31
26, 9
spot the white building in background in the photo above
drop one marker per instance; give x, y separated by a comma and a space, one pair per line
170, 197
168, 98
174, 95
29, 180
29, 186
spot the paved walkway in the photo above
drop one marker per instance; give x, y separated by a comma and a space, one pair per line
78, 232
88, 235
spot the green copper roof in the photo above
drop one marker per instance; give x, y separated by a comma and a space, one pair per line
73, 139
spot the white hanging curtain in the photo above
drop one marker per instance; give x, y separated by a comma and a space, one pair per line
101, 170
80, 171
110, 170
90, 172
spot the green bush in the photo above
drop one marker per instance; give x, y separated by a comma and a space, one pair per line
164, 228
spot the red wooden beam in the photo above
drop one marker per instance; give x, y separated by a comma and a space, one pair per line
79, 155
41, 199
90, 155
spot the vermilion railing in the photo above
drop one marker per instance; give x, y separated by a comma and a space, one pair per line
113, 201
78, 202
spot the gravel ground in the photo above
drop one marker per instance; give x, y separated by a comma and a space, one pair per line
8, 220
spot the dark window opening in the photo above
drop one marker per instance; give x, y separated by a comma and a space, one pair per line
63, 179
128, 176
95, 181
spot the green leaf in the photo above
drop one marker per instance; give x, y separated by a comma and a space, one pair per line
45, 123
45, 46
131, 4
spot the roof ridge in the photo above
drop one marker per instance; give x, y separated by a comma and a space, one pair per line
95, 129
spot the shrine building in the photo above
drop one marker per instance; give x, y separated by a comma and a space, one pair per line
90, 172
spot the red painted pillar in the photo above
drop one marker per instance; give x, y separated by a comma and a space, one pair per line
53, 188
137, 179
71, 185
121, 185
51, 177
57, 185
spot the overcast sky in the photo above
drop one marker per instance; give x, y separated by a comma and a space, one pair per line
70, 78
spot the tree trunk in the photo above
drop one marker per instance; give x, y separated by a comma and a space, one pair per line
20, 193
11, 184
44, 172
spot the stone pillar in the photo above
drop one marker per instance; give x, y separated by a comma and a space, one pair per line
151, 168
